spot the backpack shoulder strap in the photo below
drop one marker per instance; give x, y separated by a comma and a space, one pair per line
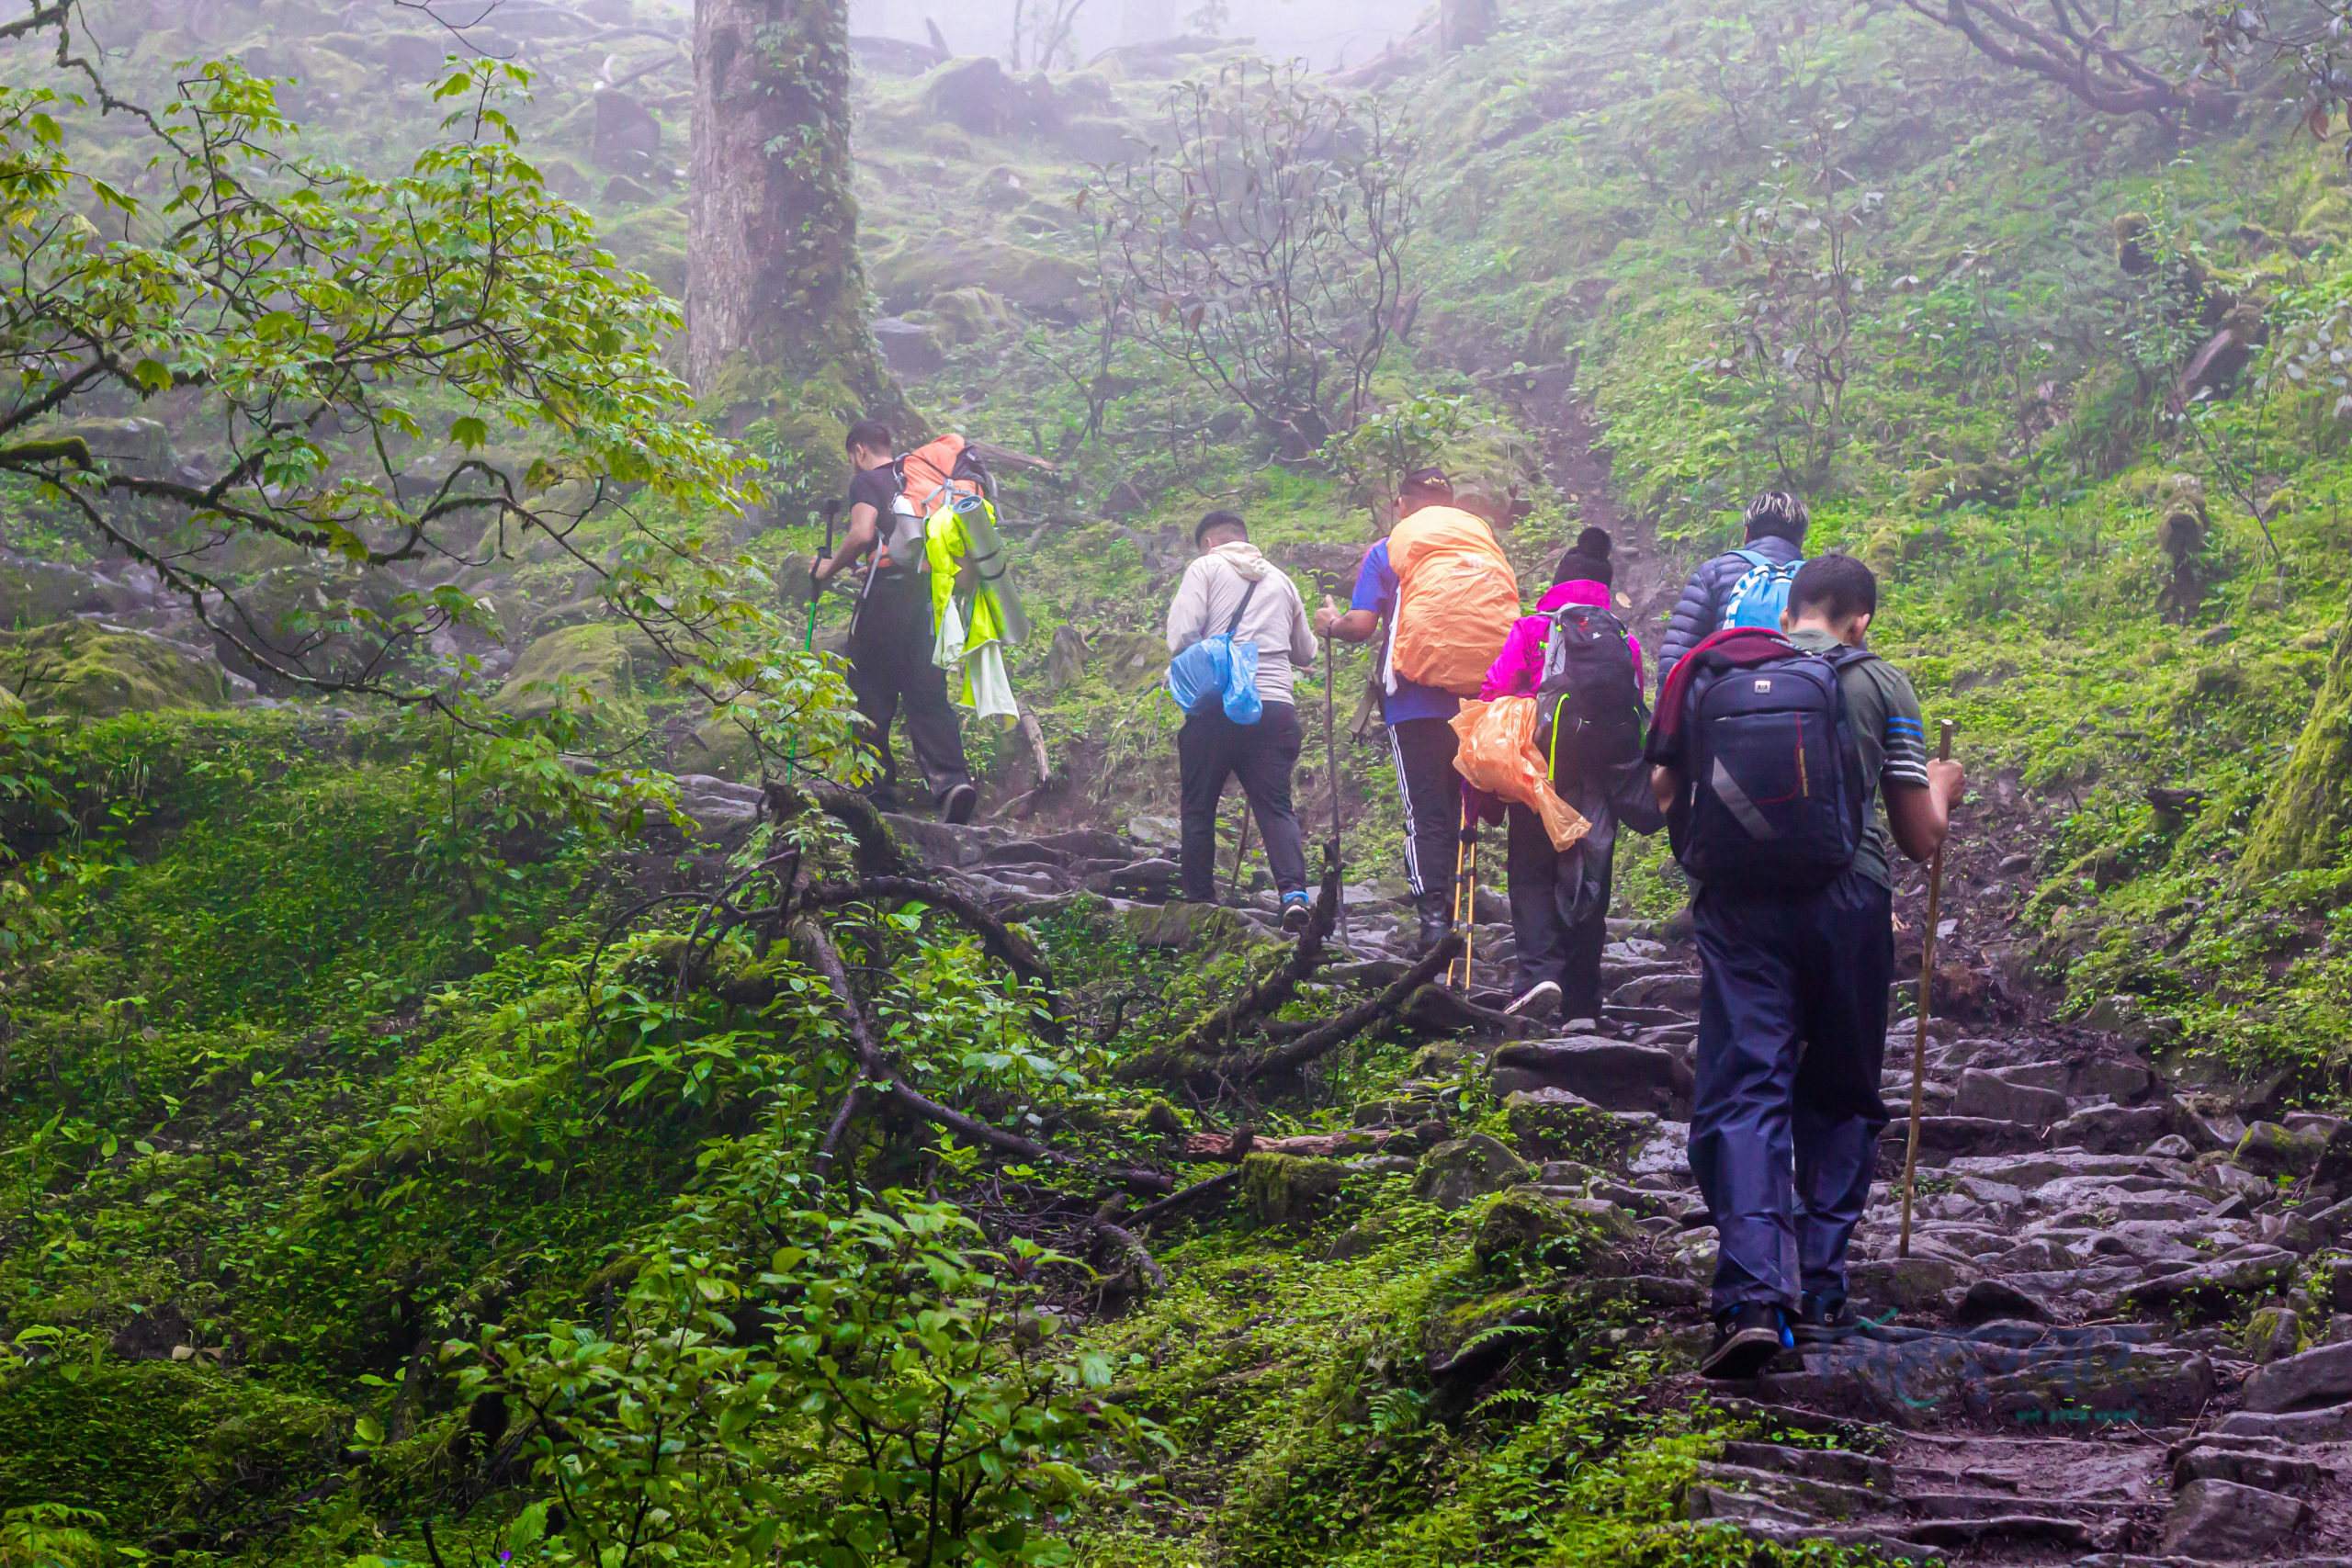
1753, 557
1239, 610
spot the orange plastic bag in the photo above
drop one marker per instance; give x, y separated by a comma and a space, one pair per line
1498, 754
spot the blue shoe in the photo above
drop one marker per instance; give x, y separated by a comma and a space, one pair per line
1296, 913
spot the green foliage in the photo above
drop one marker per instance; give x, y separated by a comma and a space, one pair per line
898, 1412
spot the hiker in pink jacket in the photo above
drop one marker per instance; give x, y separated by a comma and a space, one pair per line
1559, 899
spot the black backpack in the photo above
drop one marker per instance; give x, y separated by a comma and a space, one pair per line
1590, 714
1773, 798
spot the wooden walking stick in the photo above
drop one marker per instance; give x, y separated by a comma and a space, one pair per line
1331, 767
1919, 1040
1240, 853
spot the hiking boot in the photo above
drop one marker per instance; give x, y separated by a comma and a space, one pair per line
1820, 1322
1747, 1339
1296, 914
1539, 1000
1437, 921
958, 804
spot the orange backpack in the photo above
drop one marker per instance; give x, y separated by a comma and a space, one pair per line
1456, 599
938, 474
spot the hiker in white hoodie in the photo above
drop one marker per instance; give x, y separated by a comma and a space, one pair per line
1210, 746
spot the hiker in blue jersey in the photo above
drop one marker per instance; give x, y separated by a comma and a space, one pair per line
1765, 565
1769, 747
1421, 725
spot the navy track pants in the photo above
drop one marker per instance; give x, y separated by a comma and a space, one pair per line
1786, 1115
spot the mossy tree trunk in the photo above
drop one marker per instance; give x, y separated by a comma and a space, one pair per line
776, 293
2307, 820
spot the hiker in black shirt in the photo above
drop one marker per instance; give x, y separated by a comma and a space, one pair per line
890, 637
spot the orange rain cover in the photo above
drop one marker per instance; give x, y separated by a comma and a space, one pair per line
926, 471
1457, 599
1498, 754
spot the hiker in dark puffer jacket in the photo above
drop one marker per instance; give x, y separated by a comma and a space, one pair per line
1776, 526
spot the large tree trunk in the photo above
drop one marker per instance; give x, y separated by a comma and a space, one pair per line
2306, 823
776, 294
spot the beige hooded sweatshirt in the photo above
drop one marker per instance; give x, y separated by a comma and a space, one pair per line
1276, 620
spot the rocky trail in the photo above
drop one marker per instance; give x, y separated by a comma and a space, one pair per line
2094, 1353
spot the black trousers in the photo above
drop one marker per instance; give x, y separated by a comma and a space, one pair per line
1786, 1114
1559, 911
1262, 756
1431, 789
890, 668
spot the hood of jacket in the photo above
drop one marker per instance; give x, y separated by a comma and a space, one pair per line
1244, 559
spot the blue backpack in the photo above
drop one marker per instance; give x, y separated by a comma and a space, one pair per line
1773, 798
1762, 592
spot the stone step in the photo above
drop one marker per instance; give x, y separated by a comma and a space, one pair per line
1840, 1465
1796, 1496
1868, 1538
2037, 1529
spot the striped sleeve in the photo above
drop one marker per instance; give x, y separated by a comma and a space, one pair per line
1907, 743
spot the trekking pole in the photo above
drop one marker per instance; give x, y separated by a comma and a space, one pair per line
1240, 852
1461, 846
1470, 911
809, 637
1919, 1040
1331, 766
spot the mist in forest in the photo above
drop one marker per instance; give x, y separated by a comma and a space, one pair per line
1327, 34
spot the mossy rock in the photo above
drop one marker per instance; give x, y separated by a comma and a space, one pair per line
1957, 484
132, 445
1193, 927
1283, 1189
911, 275
1457, 1171
652, 240
1520, 1221
79, 669
2270, 1149
968, 315
1552, 1124
563, 666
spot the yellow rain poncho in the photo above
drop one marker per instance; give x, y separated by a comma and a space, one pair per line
975, 606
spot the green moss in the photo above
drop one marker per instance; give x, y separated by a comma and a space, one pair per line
1285, 1190
2305, 820
75, 668
568, 666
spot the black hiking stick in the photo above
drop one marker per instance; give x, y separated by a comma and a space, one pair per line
1466, 892
1919, 1040
809, 637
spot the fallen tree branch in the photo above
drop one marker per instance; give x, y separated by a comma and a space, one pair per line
1307, 1047
1184, 1198
1137, 1257
879, 853
1212, 1029
826, 959
1002, 944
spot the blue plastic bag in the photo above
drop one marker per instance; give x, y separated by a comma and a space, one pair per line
1219, 665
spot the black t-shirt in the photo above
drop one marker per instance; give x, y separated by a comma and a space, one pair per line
876, 488
873, 488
